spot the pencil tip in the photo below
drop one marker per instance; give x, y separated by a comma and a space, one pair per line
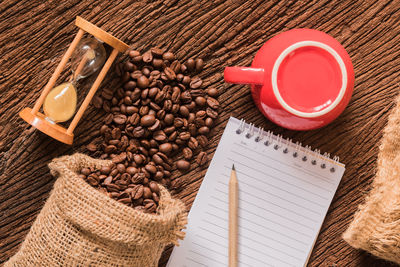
233, 167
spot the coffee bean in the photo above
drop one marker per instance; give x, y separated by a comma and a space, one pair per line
144, 110
119, 119
133, 53
209, 122
154, 187
150, 206
153, 92
108, 180
184, 136
159, 136
199, 64
143, 81
157, 159
107, 106
200, 101
107, 94
97, 101
116, 133
170, 74
193, 143
199, 122
169, 119
191, 64
183, 68
202, 158
160, 97
213, 92
105, 170
155, 126
191, 117
151, 168
113, 188
157, 52
131, 170
204, 130
137, 191
175, 108
147, 57
129, 66
201, 114
121, 168
86, 171
147, 120
176, 67
157, 63
187, 153
134, 119
165, 148
147, 192
138, 178
196, 83
182, 165
92, 181
131, 109
91, 147
179, 76
186, 80
186, 97
192, 129
202, 140
212, 103
168, 56
138, 132
110, 149
184, 111
176, 95
211, 113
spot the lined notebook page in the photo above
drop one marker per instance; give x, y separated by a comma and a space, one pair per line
283, 201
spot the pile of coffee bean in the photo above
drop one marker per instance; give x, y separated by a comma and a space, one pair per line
159, 120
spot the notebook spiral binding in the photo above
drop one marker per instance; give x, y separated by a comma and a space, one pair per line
304, 153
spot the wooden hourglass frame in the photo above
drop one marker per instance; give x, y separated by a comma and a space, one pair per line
37, 119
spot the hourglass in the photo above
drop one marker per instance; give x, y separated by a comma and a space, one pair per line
60, 102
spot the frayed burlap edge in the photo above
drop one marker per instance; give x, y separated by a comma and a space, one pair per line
376, 224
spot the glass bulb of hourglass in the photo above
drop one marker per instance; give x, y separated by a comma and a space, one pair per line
88, 57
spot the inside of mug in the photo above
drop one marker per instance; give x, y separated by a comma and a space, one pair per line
310, 79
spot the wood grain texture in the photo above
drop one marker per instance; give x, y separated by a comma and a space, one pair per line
35, 34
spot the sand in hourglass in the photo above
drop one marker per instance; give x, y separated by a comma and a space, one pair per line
60, 103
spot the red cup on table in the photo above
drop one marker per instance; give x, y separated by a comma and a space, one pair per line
301, 79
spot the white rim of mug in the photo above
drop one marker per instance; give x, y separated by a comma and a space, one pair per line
274, 78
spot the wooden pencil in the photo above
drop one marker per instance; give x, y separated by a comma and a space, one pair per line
233, 219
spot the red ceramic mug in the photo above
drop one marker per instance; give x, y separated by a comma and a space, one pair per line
301, 79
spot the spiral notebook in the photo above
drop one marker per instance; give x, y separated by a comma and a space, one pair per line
284, 194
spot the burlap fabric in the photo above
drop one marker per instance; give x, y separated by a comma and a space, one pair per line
80, 226
376, 225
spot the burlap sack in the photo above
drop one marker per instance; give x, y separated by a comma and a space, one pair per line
80, 226
376, 225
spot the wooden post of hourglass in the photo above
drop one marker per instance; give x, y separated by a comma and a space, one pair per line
92, 91
39, 120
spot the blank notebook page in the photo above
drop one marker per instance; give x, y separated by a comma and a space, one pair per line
284, 194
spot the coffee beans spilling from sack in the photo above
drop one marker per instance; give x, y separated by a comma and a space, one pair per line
158, 120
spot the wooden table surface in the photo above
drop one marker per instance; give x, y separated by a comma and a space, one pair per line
35, 34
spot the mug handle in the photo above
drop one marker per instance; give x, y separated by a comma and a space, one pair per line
244, 75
